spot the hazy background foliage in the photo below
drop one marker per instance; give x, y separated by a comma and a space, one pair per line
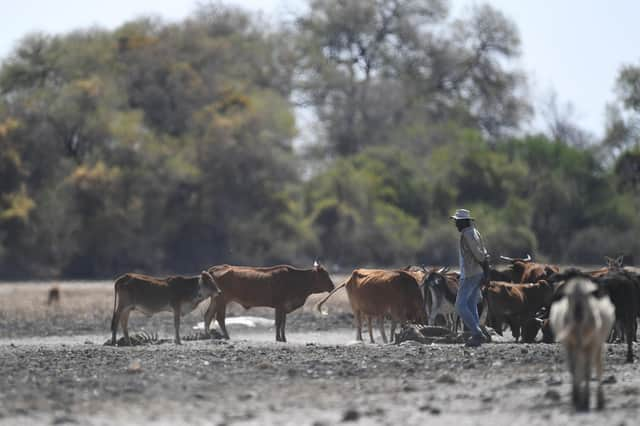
169, 147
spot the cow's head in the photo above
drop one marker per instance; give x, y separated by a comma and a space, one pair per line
418, 272
207, 286
322, 280
435, 278
614, 264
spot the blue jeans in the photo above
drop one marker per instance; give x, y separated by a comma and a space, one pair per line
467, 303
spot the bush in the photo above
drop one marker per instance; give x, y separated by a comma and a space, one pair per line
440, 245
591, 245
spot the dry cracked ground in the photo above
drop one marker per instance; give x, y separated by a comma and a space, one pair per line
54, 369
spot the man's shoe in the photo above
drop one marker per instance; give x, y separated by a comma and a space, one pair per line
474, 341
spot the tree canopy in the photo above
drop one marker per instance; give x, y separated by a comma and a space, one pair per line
169, 147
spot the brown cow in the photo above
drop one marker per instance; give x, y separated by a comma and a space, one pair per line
282, 287
378, 292
151, 295
517, 303
526, 271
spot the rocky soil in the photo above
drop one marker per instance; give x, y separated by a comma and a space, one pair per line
54, 369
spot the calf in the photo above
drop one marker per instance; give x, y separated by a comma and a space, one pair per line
151, 295
376, 293
581, 318
516, 303
281, 287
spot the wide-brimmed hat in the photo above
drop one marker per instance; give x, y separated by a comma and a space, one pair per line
462, 214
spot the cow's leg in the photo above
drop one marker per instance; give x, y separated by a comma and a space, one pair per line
221, 312
279, 313
628, 328
124, 322
176, 323
370, 328
432, 318
115, 320
598, 362
456, 321
283, 324
575, 394
277, 319
586, 379
209, 314
392, 330
381, 326
514, 324
358, 319
580, 381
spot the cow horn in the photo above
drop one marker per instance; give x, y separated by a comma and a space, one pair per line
507, 259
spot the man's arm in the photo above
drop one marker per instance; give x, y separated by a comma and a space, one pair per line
478, 252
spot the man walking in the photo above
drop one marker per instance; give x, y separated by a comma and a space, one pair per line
474, 269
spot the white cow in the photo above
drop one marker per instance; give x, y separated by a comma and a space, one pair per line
581, 319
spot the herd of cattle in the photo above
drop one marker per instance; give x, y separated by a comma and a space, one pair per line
581, 309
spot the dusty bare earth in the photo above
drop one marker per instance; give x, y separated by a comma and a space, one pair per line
54, 369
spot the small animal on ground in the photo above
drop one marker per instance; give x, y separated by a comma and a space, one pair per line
53, 295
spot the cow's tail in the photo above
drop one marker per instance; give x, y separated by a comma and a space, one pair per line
114, 318
319, 305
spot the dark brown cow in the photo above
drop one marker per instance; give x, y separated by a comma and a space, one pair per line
281, 287
517, 303
151, 295
526, 271
504, 275
623, 287
378, 292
